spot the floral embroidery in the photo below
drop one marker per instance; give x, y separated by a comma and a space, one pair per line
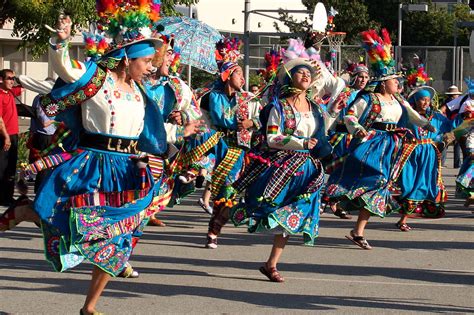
282, 140
293, 221
239, 215
90, 91
105, 253
52, 107
374, 111
53, 245
92, 219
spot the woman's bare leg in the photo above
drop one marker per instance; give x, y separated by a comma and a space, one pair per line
97, 285
279, 243
362, 220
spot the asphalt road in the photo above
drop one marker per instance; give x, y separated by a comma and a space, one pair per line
429, 269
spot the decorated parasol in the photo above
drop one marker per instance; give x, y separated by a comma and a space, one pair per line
195, 39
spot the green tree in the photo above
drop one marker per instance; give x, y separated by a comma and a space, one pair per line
30, 16
436, 27
352, 18
200, 78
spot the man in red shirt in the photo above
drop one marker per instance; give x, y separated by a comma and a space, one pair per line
8, 135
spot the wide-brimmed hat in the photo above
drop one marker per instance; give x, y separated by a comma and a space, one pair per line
453, 90
123, 23
429, 89
285, 69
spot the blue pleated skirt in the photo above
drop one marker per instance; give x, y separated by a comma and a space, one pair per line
421, 190
362, 181
93, 207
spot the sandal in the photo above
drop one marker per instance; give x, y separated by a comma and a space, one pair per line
403, 227
128, 272
8, 219
358, 240
211, 242
342, 214
155, 222
272, 274
205, 207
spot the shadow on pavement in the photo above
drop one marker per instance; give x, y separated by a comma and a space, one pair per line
120, 290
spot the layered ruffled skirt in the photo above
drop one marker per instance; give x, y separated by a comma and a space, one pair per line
363, 181
420, 185
282, 194
94, 206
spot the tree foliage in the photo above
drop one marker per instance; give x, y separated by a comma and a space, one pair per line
30, 16
435, 27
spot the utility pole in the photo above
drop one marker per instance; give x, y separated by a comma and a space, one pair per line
247, 43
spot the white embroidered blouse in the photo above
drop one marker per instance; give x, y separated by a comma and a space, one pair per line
306, 125
390, 112
111, 111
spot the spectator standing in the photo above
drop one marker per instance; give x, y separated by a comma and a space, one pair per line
8, 135
451, 94
42, 128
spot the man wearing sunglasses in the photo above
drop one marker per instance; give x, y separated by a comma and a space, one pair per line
8, 135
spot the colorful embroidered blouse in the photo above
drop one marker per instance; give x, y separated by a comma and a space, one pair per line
437, 120
224, 110
390, 112
111, 111
298, 127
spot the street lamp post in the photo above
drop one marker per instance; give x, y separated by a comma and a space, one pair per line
422, 7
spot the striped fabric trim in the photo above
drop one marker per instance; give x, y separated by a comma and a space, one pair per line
272, 130
126, 226
48, 162
224, 168
335, 164
75, 64
407, 150
283, 175
335, 139
161, 201
318, 182
112, 199
156, 165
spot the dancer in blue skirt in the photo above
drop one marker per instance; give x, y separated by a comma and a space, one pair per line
282, 183
378, 122
420, 184
96, 201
